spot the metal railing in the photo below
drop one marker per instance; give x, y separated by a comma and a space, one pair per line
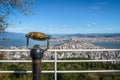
55, 71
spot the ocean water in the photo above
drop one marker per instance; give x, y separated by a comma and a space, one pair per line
19, 42
110, 45
22, 42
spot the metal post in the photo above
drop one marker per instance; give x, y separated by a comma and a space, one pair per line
36, 69
36, 54
55, 65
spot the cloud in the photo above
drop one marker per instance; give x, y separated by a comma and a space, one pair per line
63, 25
97, 6
92, 24
88, 25
17, 30
49, 25
110, 29
102, 3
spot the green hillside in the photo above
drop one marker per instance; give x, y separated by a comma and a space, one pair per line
63, 66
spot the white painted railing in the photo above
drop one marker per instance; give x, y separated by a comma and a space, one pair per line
56, 61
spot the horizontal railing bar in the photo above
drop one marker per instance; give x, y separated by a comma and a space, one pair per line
86, 60
60, 60
25, 71
15, 71
84, 50
15, 50
15, 61
25, 61
63, 50
81, 71
88, 71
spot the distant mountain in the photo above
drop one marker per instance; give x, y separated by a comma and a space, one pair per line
9, 39
94, 35
12, 35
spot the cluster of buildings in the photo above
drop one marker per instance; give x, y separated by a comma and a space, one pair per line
73, 43
108, 55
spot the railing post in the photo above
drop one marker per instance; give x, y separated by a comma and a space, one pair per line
36, 54
55, 65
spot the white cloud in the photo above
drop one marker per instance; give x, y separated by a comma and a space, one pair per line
50, 25
63, 25
102, 3
17, 30
88, 25
97, 6
92, 24
110, 29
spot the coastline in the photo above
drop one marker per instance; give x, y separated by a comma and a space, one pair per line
69, 44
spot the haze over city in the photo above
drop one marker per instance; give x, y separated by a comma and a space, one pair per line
69, 16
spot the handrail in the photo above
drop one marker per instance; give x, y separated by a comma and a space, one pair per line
63, 50
55, 71
21, 61
80, 71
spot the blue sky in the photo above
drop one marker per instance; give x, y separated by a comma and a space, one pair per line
69, 17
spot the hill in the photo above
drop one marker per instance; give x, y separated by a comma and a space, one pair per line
63, 66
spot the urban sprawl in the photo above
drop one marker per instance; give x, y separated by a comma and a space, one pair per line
71, 43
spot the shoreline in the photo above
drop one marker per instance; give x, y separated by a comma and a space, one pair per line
55, 41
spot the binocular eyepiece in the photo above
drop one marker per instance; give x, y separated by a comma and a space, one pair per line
37, 36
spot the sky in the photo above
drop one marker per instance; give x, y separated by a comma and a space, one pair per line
69, 17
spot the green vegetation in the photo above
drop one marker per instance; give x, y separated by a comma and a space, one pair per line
63, 66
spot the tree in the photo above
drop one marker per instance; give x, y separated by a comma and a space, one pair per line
8, 7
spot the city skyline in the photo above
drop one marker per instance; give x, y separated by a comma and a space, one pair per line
69, 17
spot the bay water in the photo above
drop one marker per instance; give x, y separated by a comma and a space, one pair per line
22, 42
109, 45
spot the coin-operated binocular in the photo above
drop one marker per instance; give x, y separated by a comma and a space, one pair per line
39, 37
37, 53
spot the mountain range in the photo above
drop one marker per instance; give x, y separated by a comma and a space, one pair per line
12, 35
